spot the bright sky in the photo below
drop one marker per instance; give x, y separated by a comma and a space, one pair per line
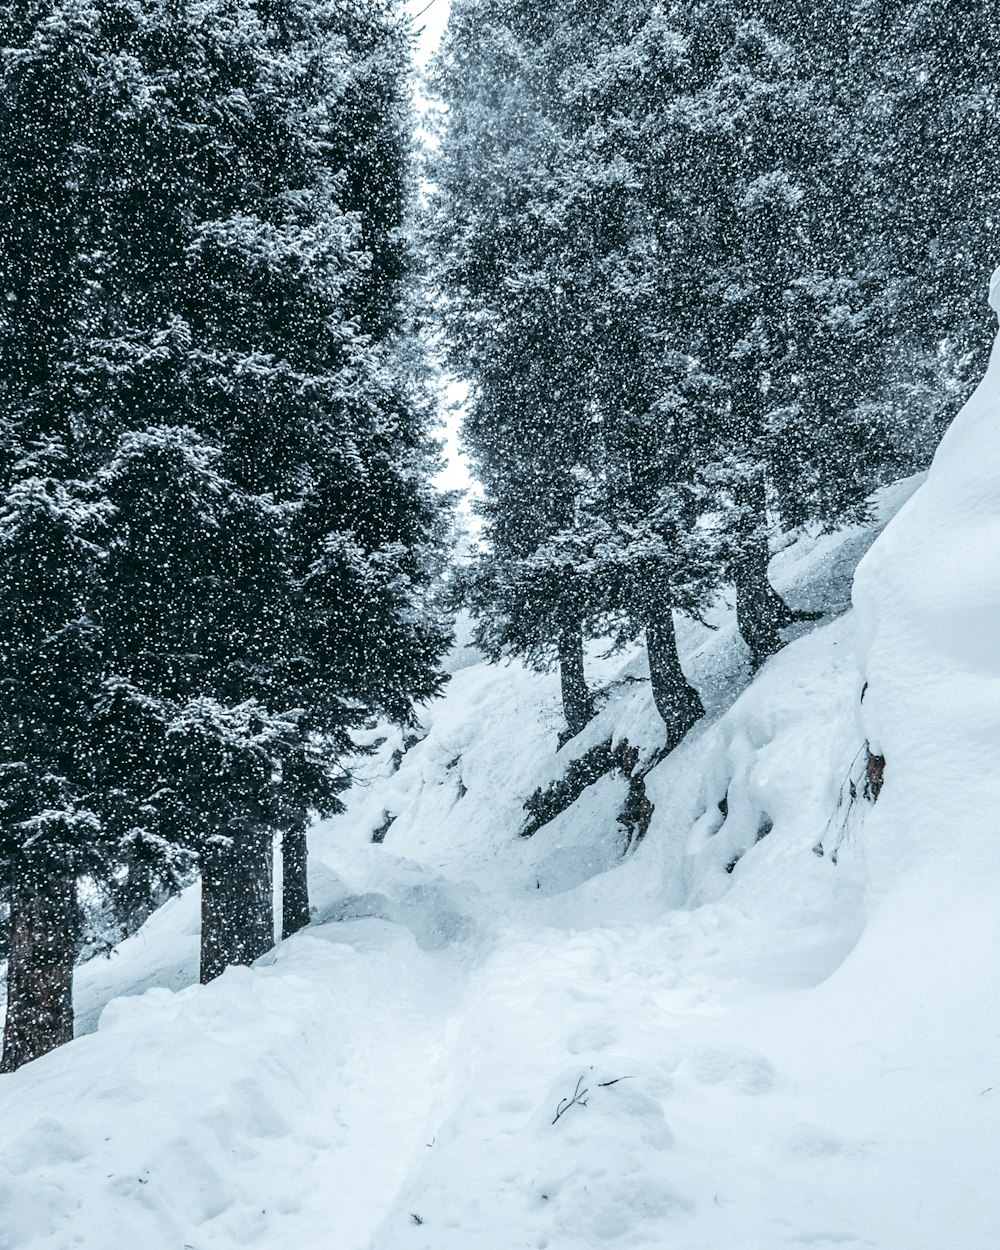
430, 26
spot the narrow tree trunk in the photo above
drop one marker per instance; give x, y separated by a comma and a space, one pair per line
760, 610
294, 881
43, 937
237, 918
676, 699
578, 707
135, 896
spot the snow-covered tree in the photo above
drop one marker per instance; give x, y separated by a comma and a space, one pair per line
514, 328
929, 122
543, 258
735, 127
675, 253
51, 531
50, 822
267, 335
212, 456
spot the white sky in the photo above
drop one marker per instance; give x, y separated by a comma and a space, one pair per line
455, 475
431, 25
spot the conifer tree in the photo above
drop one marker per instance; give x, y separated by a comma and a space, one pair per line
547, 285
271, 315
769, 294
50, 825
52, 73
212, 461
515, 330
192, 597
925, 76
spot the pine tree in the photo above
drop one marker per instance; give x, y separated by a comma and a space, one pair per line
50, 826
52, 73
584, 424
737, 125
929, 113
514, 321
203, 416
193, 595
272, 330
366, 530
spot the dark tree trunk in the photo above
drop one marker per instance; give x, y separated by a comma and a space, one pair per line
294, 881
676, 699
874, 775
135, 896
44, 924
237, 918
757, 603
760, 610
578, 707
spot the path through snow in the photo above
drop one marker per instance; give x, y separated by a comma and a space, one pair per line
764, 1057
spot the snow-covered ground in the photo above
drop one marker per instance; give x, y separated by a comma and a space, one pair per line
769, 1046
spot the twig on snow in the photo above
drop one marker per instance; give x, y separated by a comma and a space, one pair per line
579, 1099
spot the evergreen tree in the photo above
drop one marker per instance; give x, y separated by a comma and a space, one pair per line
213, 463
276, 270
53, 69
192, 597
514, 321
50, 823
929, 112
693, 190
768, 297
548, 281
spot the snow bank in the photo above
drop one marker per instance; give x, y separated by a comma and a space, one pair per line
769, 1049
275, 1107
928, 613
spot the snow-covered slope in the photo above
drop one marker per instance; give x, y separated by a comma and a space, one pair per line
928, 609
768, 1048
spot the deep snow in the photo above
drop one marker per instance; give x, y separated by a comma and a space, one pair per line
799, 1052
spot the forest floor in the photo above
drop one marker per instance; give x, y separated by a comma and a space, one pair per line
715, 1039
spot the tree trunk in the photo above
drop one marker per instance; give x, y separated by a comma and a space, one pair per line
578, 707
237, 918
135, 900
44, 924
760, 610
676, 699
294, 881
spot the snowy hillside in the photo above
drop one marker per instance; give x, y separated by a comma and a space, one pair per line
766, 1047
346, 347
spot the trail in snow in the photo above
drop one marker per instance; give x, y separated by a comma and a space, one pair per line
763, 1056
281, 1106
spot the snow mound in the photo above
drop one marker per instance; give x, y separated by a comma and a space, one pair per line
928, 612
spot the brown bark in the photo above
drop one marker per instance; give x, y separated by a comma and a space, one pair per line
43, 936
237, 919
578, 706
874, 775
676, 699
294, 881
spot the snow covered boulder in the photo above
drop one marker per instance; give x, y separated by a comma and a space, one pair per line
928, 612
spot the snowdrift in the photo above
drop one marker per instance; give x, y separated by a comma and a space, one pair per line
772, 1021
928, 629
